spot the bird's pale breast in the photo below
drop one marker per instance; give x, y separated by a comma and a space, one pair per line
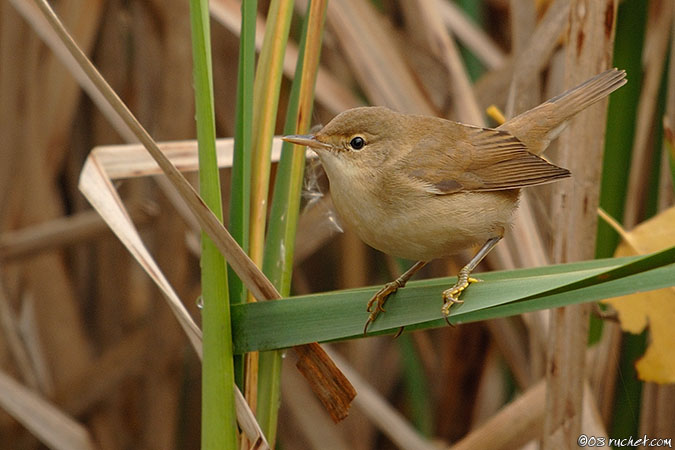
408, 222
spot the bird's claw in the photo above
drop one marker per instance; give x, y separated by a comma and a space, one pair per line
451, 295
380, 298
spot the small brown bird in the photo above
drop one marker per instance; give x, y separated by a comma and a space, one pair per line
421, 187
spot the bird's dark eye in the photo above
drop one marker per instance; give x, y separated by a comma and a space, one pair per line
357, 143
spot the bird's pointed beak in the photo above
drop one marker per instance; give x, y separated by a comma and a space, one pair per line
308, 140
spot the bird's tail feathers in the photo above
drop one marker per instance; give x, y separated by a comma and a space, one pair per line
590, 91
537, 127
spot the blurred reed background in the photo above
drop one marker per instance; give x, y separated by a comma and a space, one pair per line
84, 327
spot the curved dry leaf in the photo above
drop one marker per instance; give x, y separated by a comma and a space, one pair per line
655, 309
97, 187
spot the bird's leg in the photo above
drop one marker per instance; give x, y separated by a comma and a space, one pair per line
451, 295
381, 296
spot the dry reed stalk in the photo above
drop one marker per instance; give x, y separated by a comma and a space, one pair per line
589, 51
354, 267
31, 13
119, 363
591, 420
132, 160
493, 87
426, 351
16, 346
523, 22
48, 423
515, 425
602, 365
602, 360
315, 227
170, 112
387, 419
471, 35
64, 231
492, 390
46, 276
31, 337
382, 376
373, 54
62, 108
330, 92
666, 186
522, 421
12, 68
657, 410
525, 241
524, 245
462, 354
434, 34
117, 295
309, 418
62, 93
122, 295
354, 270
537, 325
512, 344
532, 53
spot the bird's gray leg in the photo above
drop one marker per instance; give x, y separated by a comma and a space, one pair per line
451, 295
381, 296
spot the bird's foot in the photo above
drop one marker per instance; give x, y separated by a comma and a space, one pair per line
377, 301
451, 295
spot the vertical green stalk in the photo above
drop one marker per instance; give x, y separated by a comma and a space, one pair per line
240, 191
621, 114
266, 87
628, 45
417, 388
473, 65
280, 242
219, 428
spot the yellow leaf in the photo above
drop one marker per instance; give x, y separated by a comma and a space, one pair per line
653, 308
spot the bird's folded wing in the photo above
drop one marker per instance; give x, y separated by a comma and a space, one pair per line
484, 160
